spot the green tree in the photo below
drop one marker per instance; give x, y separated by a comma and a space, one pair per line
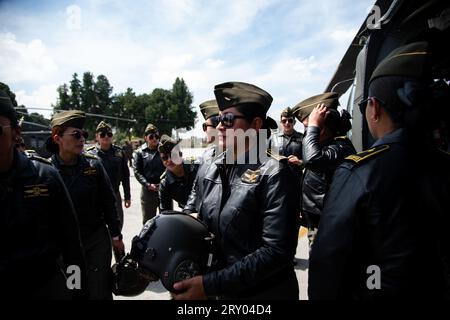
103, 91
126, 105
75, 92
89, 101
63, 100
156, 112
181, 110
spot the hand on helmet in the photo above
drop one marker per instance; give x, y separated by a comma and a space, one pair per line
190, 289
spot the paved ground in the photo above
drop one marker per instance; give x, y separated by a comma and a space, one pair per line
155, 291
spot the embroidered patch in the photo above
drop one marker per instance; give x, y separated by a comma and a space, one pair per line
251, 176
36, 190
90, 171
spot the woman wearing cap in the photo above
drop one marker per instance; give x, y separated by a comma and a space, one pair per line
148, 168
92, 196
210, 111
38, 223
249, 205
324, 147
178, 179
384, 228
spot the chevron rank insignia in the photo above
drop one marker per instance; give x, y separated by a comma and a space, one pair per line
35, 191
89, 171
251, 176
364, 155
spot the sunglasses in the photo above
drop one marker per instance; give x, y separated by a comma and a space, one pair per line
152, 136
290, 120
213, 124
1, 129
228, 119
104, 134
363, 104
78, 134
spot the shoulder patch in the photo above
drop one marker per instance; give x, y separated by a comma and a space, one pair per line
251, 176
90, 156
33, 156
366, 154
277, 157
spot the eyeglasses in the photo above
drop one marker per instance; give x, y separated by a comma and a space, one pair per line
104, 134
1, 129
78, 134
152, 136
214, 123
290, 120
363, 104
227, 119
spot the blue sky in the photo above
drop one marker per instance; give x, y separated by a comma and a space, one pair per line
290, 48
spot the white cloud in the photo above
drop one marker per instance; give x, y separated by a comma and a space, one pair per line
24, 61
345, 36
43, 97
289, 48
214, 63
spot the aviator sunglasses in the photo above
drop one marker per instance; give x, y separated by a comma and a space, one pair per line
152, 136
78, 134
363, 104
104, 134
214, 124
290, 120
228, 119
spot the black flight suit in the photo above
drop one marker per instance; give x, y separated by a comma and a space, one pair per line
321, 160
115, 164
250, 210
148, 168
176, 188
94, 202
378, 212
38, 228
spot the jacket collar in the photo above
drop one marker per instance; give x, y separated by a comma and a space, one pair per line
395, 136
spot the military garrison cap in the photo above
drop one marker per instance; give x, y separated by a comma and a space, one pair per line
209, 109
166, 144
303, 109
411, 60
7, 108
103, 126
69, 118
6, 105
230, 94
150, 129
287, 113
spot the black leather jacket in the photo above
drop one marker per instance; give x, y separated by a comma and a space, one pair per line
116, 165
290, 145
147, 165
374, 215
38, 226
91, 193
194, 199
320, 160
251, 210
175, 188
